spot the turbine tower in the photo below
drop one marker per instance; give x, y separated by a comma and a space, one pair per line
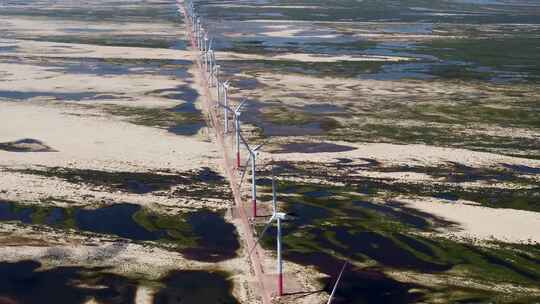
237, 113
253, 152
205, 41
199, 33
278, 217
226, 106
236, 116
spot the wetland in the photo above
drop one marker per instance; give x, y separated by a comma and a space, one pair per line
192, 233
336, 85
404, 137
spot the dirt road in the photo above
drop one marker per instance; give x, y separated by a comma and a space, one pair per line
245, 229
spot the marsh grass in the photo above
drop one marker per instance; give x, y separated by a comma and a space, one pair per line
194, 183
155, 117
113, 40
518, 53
342, 69
340, 225
191, 233
281, 115
523, 194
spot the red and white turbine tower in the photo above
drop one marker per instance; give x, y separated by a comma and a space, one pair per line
278, 217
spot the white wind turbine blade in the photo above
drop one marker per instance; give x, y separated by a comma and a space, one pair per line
262, 234
240, 106
252, 150
260, 145
337, 282
226, 90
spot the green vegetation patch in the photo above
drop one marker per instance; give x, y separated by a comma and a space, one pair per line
515, 53
192, 233
518, 197
177, 229
267, 47
446, 136
344, 223
282, 115
341, 69
164, 118
112, 40
200, 183
504, 115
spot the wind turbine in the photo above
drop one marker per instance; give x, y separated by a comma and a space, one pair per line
278, 217
219, 89
191, 9
209, 57
212, 76
188, 7
201, 36
237, 112
236, 115
193, 19
209, 65
204, 60
336, 284
215, 73
226, 106
215, 66
199, 33
205, 41
253, 152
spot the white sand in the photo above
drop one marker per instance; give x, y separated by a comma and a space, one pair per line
506, 225
77, 50
286, 31
86, 138
96, 141
392, 154
55, 191
229, 5
35, 26
128, 90
317, 58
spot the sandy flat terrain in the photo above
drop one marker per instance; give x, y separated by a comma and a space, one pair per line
41, 82
392, 154
96, 142
83, 135
484, 223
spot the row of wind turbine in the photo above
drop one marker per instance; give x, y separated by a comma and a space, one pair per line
212, 69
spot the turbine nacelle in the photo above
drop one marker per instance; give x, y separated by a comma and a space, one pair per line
280, 215
238, 110
226, 84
